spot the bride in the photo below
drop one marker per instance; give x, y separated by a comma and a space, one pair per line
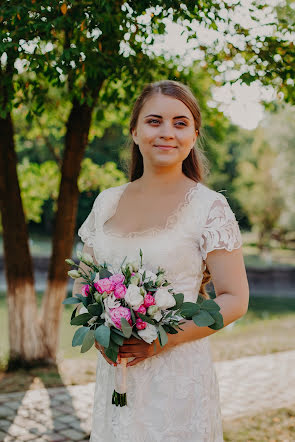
190, 230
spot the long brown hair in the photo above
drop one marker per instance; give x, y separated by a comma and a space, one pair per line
195, 166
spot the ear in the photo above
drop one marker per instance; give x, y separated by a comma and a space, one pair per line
134, 135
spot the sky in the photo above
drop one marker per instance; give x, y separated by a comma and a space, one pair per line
240, 102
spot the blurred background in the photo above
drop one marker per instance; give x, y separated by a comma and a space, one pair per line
70, 73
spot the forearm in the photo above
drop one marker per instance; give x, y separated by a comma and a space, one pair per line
230, 309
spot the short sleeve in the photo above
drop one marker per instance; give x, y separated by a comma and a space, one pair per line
221, 229
88, 228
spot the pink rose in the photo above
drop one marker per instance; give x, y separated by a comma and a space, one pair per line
118, 278
104, 285
85, 290
120, 291
118, 313
140, 324
141, 309
149, 300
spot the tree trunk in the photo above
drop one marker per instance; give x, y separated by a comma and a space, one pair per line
25, 338
65, 221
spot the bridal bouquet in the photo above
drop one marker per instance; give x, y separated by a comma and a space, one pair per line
135, 301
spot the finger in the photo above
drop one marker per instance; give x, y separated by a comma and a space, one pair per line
135, 361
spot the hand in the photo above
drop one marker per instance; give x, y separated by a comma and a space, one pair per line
138, 349
102, 351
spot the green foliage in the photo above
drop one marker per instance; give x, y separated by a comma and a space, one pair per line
79, 336
102, 335
40, 182
88, 341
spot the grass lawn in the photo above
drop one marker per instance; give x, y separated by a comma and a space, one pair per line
269, 426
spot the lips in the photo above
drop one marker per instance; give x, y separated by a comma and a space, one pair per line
162, 145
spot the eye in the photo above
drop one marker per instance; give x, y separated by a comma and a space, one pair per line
152, 121
182, 123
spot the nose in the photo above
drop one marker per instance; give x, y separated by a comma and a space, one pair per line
166, 131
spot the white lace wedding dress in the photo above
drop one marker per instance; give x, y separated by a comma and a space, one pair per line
173, 396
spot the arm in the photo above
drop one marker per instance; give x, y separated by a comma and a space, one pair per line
232, 293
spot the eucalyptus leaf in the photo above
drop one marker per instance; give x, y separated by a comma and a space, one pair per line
72, 300
79, 336
117, 338
81, 319
189, 309
203, 319
163, 336
210, 305
218, 320
83, 299
112, 353
179, 297
102, 335
126, 328
88, 341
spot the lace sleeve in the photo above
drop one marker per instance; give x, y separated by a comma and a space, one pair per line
221, 229
88, 228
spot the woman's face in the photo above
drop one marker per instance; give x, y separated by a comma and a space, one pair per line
165, 131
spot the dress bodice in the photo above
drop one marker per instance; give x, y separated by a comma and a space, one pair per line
203, 222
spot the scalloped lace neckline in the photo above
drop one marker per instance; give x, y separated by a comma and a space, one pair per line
171, 221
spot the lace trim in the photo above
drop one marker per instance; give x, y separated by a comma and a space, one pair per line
221, 230
152, 231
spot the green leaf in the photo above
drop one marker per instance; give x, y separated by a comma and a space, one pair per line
135, 334
81, 319
104, 273
102, 335
163, 336
203, 319
118, 332
88, 341
79, 336
83, 299
117, 338
169, 329
218, 320
210, 305
179, 297
133, 316
112, 353
146, 318
126, 328
72, 300
189, 309
74, 313
95, 309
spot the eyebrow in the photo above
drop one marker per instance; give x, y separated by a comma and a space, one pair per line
159, 116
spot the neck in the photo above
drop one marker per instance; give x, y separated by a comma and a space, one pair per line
154, 179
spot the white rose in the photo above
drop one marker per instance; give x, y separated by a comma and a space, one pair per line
111, 302
157, 316
133, 296
164, 299
106, 314
151, 276
149, 334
